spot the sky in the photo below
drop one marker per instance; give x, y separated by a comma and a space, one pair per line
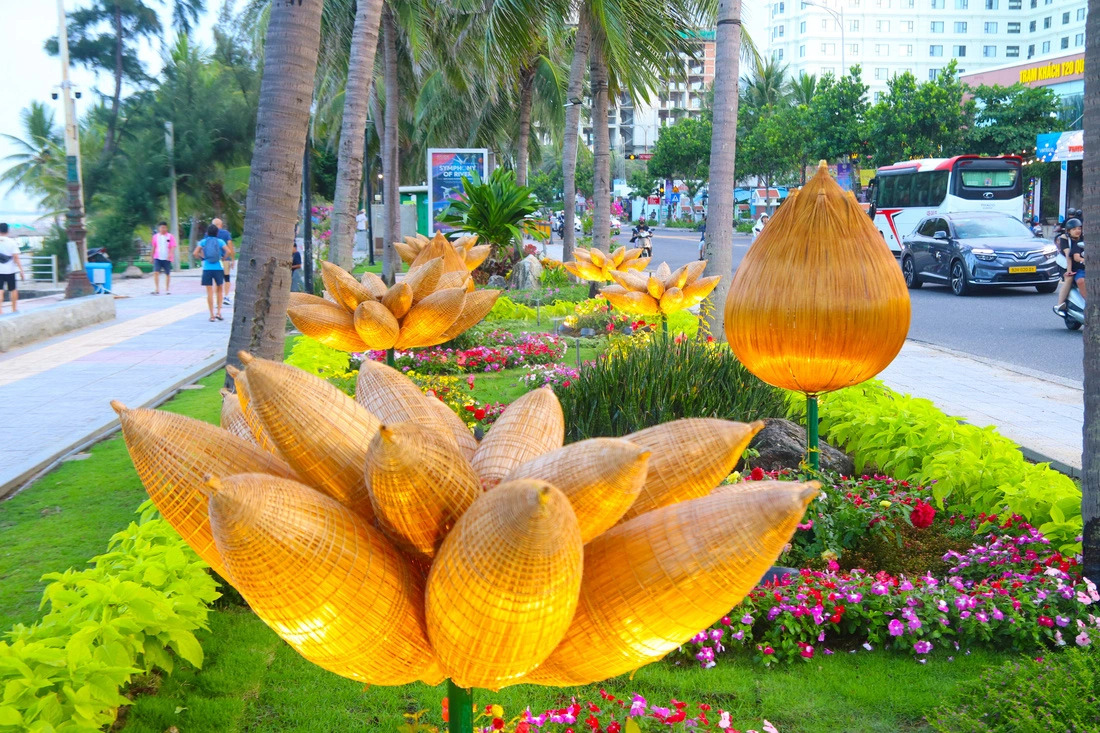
28, 73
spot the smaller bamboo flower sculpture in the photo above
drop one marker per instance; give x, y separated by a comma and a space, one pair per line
430, 306
663, 291
592, 264
468, 253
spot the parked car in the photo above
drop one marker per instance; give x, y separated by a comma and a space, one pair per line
969, 250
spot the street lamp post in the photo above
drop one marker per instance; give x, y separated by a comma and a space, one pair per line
75, 223
839, 16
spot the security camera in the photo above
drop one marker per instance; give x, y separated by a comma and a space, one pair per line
53, 95
78, 95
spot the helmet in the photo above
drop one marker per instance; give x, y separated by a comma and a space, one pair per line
1071, 223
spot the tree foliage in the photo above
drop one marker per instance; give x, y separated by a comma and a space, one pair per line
1009, 118
838, 116
683, 150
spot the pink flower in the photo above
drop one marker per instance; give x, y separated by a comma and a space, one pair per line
922, 647
896, 628
1083, 639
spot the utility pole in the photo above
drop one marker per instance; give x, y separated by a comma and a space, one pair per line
74, 181
173, 202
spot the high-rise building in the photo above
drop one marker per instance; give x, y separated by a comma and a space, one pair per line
890, 37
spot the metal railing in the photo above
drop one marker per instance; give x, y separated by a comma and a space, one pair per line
44, 268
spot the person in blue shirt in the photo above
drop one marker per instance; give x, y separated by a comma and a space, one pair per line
212, 250
225, 236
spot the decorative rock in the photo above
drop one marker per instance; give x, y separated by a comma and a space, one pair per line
497, 282
782, 444
525, 275
133, 272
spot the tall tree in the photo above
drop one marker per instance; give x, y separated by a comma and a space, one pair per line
768, 87
723, 154
1009, 118
581, 44
38, 164
1090, 478
925, 120
839, 115
391, 162
601, 144
683, 151
349, 172
286, 94
803, 88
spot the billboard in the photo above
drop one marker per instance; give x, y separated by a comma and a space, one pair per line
1060, 146
446, 168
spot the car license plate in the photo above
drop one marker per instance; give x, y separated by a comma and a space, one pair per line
1021, 269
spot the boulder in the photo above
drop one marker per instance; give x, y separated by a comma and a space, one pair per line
525, 275
497, 282
133, 272
782, 444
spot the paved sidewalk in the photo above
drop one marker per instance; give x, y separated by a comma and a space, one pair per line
57, 392
1042, 413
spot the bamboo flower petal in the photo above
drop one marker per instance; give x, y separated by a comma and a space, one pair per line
639, 264
655, 287
601, 477
476, 306
419, 486
440, 248
429, 319
374, 284
475, 256
632, 301
307, 299
422, 279
701, 288
323, 579
329, 324
688, 458
398, 299
406, 251
345, 289
529, 427
504, 586
582, 254
393, 398
692, 271
232, 417
375, 325
629, 279
454, 280
259, 433
651, 583
663, 272
632, 254
467, 443
672, 301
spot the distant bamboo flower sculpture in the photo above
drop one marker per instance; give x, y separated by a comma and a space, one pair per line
430, 306
663, 291
818, 303
592, 264
386, 554
468, 253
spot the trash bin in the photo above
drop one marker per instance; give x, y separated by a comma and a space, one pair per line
99, 275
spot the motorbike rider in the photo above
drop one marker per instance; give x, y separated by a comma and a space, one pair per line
642, 226
1070, 245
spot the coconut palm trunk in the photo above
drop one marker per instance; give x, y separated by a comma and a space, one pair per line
349, 167
391, 174
723, 152
263, 267
572, 136
601, 139
526, 102
1090, 480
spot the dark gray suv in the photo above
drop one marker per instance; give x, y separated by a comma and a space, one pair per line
978, 249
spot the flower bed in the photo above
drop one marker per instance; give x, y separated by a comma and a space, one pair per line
501, 350
558, 376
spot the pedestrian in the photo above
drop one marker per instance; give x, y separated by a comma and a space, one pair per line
225, 236
759, 226
579, 204
361, 220
1069, 244
297, 282
702, 235
162, 252
9, 263
212, 250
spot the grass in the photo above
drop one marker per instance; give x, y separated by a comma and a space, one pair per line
376, 268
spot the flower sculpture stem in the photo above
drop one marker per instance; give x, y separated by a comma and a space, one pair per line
811, 432
460, 709
390, 358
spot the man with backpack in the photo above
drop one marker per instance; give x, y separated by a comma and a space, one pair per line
9, 263
225, 236
212, 250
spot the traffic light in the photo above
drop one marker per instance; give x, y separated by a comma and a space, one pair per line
632, 156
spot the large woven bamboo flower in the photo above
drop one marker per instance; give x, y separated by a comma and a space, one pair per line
593, 264
430, 306
818, 303
468, 254
386, 550
663, 291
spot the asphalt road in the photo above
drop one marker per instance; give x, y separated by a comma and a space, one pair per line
1011, 325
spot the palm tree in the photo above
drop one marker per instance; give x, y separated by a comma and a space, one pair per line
286, 93
601, 148
349, 170
803, 88
1090, 479
38, 165
581, 43
391, 162
723, 153
768, 88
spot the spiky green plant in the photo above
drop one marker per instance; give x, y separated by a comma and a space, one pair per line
498, 210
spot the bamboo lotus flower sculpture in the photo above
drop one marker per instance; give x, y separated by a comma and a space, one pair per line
818, 303
663, 291
593, 264
430, 306
468, 254
529, 562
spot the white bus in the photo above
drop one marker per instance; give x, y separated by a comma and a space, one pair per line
903, 194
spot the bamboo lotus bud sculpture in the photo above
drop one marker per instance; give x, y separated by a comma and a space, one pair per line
419, 248
663, 291
593, 264
818, 303
533, 579
435, 303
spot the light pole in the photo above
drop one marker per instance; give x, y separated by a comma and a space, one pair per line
74, 180
839, 16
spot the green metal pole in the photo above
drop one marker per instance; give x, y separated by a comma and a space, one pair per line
460, 708
389, 357
811, 432
664, 325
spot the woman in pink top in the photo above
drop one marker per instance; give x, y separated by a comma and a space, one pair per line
162, 251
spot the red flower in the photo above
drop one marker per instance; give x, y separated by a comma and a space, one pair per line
612, 727
523, 727
757, 474
1046, 621
922, 515
498, 724
479, 413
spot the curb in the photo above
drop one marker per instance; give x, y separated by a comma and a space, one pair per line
104, 430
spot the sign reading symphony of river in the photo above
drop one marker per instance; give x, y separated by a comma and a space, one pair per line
446, 168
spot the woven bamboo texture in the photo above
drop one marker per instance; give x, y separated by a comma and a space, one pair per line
476, 306
323, 579
688, 458
423, 278
592, 264
232, 417
818, 303
398, 299
503, 588
307, 299
419, 486
439, 247
173, 454
467, 443
345, 289
328, 324
663, 291
321, 432
456, 280
601, 477
475, 256
651, 583
375, 325
529, 427
375, 285
255, 424
430, 318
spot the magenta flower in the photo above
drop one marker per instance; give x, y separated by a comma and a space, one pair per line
922, 647
896, 628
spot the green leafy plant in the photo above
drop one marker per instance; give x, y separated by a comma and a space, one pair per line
498, 210
744, 227
507, 309
981, 471
323, 361
554, 277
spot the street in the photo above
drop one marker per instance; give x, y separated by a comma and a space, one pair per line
1011, 325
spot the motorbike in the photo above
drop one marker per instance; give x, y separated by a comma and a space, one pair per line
99, 255
1075, 304
645, 241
